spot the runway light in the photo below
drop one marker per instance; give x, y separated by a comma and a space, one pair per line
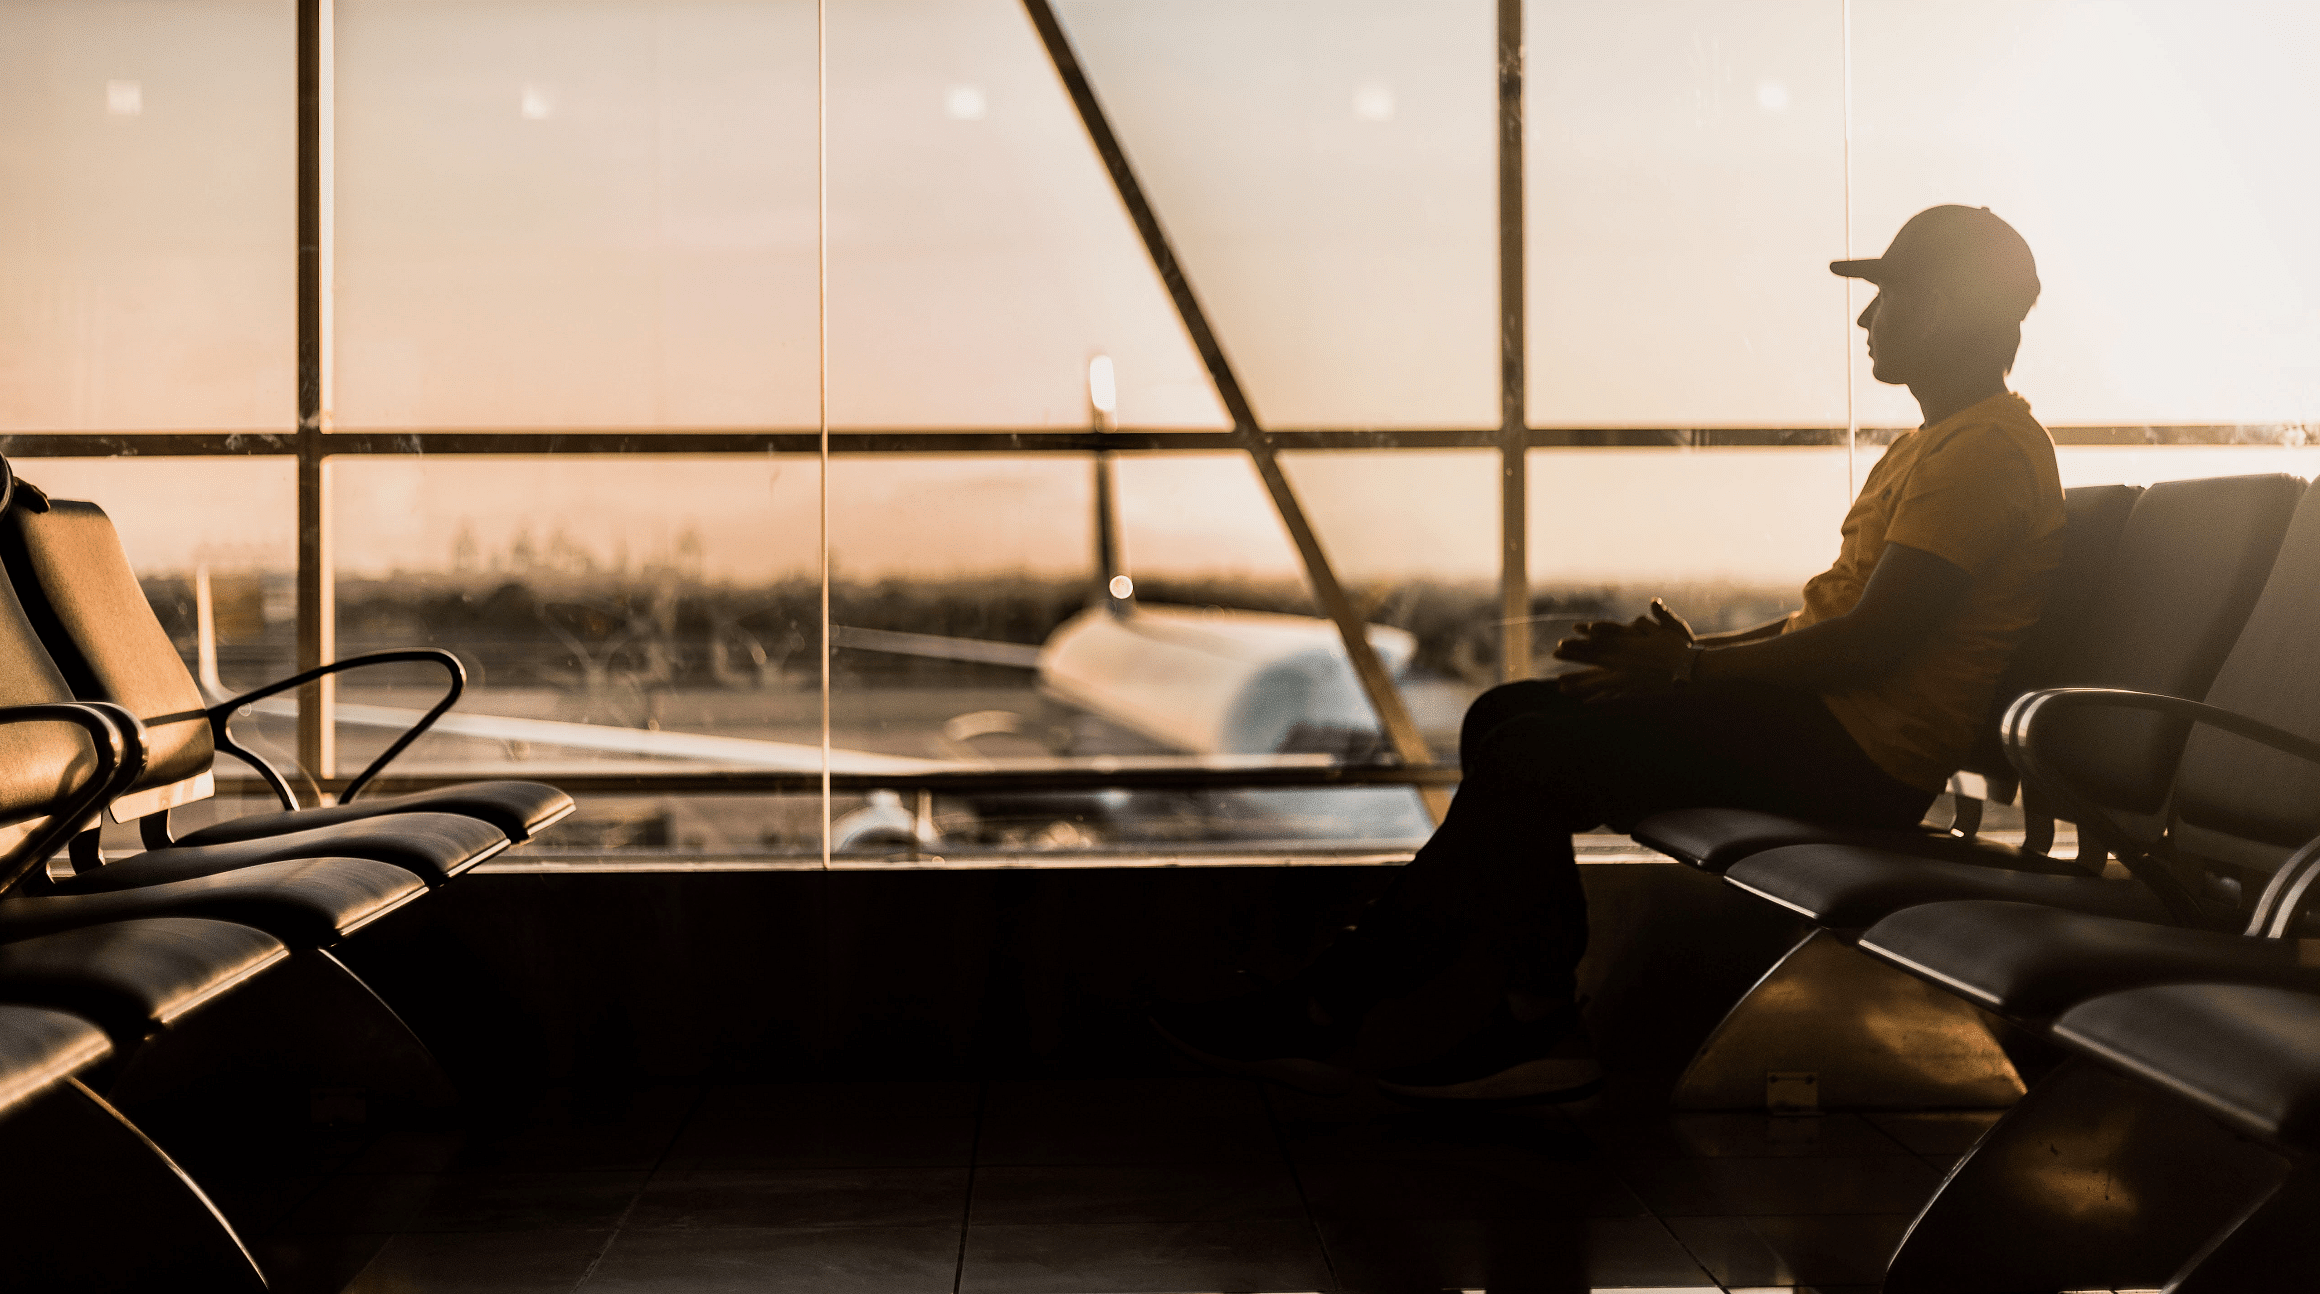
124, 98
966, 103
1373, 103
1103, 388
1122, 587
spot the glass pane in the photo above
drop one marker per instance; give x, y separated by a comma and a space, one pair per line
1326, 170
1756, 524
616, 617
1685, 176
1413, 536
147, 187
979, 255
2151, 153
552, 214
969, 632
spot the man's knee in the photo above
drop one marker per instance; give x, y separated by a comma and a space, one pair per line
1494, 708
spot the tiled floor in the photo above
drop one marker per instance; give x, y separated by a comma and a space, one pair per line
1169, 1184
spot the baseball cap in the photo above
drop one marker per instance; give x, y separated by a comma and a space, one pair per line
1964, 249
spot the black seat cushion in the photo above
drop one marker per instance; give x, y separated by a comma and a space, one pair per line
1845, 887
1714, 839
2248, 1055
132, 978
39, 1047
306, 903
520, 810
433, 846
2032, 963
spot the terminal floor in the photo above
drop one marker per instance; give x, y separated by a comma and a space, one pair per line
1176, 1184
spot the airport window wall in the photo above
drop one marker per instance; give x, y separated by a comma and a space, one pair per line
988, 432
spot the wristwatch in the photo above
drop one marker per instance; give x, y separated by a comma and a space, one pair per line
1686, 663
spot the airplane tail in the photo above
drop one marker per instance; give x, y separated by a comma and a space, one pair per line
1113, 589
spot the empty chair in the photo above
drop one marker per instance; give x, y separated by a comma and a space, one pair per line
309, 886
74, 580
2249, 1058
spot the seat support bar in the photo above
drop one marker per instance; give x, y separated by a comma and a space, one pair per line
2091, 1180
92, 1204
1871, 1037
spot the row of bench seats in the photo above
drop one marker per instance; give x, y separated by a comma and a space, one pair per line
2158, 989
135, 976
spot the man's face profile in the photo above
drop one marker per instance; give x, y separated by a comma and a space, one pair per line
1898, 327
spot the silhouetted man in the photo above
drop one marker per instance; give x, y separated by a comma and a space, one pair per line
1853, 710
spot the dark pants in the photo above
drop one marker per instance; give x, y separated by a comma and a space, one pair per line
1540, 766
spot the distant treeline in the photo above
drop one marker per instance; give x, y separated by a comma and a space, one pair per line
663, 630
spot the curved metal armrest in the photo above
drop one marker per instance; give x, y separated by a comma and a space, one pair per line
2026, 710
2021, 732
221, 715
120, 745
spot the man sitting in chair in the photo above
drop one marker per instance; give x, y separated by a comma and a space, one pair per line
1853, 710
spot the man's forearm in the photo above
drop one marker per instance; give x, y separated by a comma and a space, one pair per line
1829, 654
1772, 629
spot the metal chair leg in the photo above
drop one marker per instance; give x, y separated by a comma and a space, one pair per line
1860, 1035
90, 1203
2090, 1180
308, 1023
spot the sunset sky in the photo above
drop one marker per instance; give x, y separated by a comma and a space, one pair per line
603, 214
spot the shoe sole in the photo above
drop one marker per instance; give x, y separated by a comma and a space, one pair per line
1317, 1078
1537, 1082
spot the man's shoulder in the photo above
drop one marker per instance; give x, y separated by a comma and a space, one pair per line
1998, 426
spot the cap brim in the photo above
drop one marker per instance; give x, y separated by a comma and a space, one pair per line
1868, 269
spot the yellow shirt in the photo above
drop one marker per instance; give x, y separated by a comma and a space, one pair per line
1978, 490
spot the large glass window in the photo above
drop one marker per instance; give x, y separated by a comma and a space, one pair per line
582, 301
148, 201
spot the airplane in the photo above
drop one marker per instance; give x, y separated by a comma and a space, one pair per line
1213, 687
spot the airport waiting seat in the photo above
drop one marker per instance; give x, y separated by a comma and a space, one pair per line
74, 579
2249, 1058
2192, 562
2244, 800
64, 760
2150, 594
2192, 558
370, 868
2022, 1210
136, 962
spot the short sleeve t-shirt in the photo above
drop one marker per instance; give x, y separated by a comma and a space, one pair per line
1979, 490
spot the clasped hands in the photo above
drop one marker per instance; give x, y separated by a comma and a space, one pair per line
1637, 658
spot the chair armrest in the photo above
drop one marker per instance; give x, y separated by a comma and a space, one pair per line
2028, 707
2021, 729
120, 747
221, 715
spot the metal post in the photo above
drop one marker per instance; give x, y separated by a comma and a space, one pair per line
1514, 582
315, 646
1393, 714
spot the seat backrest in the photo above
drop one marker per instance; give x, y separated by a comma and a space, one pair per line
2190, 564
2093, 516
2236, 802
39, 762
68, 569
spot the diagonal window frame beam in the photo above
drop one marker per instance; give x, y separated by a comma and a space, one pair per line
1385, 697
